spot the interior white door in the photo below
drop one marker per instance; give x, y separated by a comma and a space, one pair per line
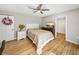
61, 24
6, 31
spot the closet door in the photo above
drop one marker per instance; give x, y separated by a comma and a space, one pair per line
6, 31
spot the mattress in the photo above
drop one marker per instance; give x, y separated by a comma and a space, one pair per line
40, 37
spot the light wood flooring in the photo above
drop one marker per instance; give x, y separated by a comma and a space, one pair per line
58, 46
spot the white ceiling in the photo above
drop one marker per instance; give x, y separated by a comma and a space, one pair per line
23, 8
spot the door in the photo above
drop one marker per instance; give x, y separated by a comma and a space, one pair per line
6, 31
61, 24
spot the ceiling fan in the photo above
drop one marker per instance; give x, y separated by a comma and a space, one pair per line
39, 8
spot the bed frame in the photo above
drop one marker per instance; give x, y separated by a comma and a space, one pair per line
30, 26
52, 29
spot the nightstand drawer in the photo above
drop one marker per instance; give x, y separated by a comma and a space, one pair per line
21, 35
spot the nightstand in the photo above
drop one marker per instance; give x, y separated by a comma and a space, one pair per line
21, 35
52, 29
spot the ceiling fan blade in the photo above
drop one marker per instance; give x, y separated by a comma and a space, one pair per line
39, 7
32, 8
45, 9
35, 11
41, 12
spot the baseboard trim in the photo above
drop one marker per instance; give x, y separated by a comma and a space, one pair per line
11, 40
61, 33
73, 42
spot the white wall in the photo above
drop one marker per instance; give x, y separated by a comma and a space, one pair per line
26, 19
72, 22
72, 34
61, 24
6, 32
21, 18
48, 18
72, 25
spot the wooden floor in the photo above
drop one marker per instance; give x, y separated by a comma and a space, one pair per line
58, 46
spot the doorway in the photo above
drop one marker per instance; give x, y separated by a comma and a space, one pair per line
61, 27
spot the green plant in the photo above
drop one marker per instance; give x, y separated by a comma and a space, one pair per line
21, 27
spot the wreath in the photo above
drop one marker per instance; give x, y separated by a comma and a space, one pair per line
7, 21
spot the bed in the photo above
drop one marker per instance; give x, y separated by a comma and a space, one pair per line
39, 37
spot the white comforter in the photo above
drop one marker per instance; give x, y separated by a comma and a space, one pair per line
40, 37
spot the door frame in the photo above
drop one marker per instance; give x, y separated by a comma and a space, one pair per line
56, 18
